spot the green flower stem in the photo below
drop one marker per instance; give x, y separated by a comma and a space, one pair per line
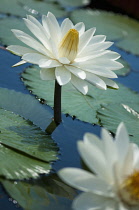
57, 103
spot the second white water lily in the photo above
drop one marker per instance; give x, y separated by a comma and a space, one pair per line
67, 53
114, 183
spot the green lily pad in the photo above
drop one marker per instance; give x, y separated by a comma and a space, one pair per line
125, 70
73, 3
113, 114
116, 27
24, 150
26, 106
15, 165
23, 7
84, 107
48, 192
6, 36
26, 137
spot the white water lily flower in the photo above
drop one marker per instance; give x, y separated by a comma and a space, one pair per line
114, 183
67, 53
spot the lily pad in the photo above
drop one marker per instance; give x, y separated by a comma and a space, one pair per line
116, 27
26, 106
15, 165
6, 36
47, 191
125, 70
73, 3
84, 107
23, 7
26, 137
24, 150
113, 114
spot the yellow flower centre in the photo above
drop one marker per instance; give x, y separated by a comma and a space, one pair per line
69, 45
130, 189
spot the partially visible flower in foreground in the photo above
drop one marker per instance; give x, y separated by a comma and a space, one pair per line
67, 53
114, 183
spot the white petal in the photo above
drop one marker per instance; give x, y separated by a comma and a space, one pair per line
28, 40
44, 63
85, 181
85, 38
100, 46
109, 148
54, 48
44, 23
35, 21
94, 158
66, 26
95, 80
122, 141
63, 76
93, 139
136, 155
107, 54
110, 55
64, 60
127, 165
107, 63
39, 33
88, 56
54, 28
47, 74
88, 50
33, 57
80, 27
90, 201
79, 84
76, 71
19, 63
101, 71
110, 83
19, 50
97, 39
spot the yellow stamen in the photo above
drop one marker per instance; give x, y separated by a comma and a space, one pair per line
69, 45
130, 189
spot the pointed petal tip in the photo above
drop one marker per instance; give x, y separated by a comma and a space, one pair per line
121, 126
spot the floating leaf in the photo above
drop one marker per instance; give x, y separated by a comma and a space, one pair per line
24, 148
73, 3
49, 192
84, 107
19, 134
124, 71
12, 7
23, 7
119, 28
26, 106
43, 7
6, 36
15, 165
113, 114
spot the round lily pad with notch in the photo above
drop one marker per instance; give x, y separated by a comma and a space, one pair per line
113, 114
23, 7
84, 107
119, 28
49, 191
26, 106
25, 151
